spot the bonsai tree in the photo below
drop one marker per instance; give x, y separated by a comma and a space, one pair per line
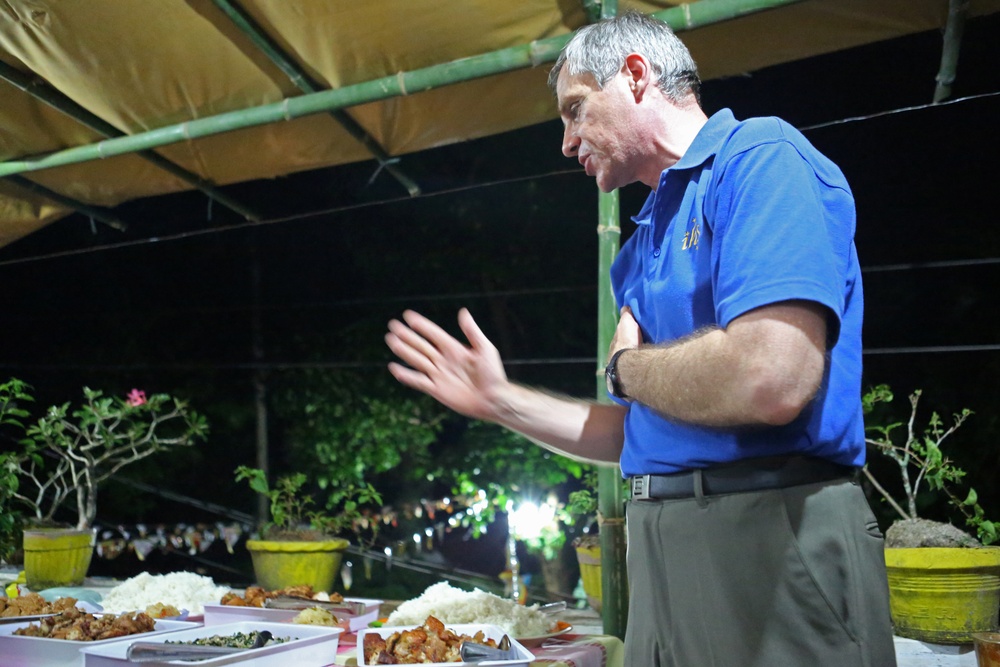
922, 463
294, 516
69, 454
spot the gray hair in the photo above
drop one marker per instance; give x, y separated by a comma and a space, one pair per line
601, 49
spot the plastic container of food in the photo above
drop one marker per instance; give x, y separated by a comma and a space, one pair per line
307, 646
223, 613
489, 631
42, 652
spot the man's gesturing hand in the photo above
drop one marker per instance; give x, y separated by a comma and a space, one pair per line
466, 378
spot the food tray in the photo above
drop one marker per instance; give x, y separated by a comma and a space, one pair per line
223, 613
491, 631
313, 646
41, 652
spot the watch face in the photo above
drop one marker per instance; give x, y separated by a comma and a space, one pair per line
610, 381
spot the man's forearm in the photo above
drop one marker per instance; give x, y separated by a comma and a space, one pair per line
761, 371
694, 382
580, 429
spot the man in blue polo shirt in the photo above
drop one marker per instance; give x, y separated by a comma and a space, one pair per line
735, 369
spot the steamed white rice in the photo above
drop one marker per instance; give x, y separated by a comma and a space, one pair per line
184, 590
453, 605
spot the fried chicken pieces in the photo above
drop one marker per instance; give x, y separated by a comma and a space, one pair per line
431, 642
255, 596
77, 625
30, 604
71, 622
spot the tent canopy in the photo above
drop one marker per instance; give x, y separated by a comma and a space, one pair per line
75, 74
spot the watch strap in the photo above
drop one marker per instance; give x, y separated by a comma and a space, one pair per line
612, 377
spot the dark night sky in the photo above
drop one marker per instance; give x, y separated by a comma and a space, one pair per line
520, 250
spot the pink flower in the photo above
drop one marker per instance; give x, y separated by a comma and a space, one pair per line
136, 397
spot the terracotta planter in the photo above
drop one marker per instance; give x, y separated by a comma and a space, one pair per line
279, 564
57, 556
589, 558
943, 595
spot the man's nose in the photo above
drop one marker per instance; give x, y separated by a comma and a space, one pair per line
570, 142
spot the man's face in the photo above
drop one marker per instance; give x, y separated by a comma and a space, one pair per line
598, 127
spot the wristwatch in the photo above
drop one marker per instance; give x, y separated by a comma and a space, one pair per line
611, 376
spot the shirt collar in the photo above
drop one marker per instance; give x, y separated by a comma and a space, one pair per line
706, 143
704, 146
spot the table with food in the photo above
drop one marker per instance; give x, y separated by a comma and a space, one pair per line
186, 618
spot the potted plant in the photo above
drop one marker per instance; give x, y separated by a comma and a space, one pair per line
301, 545
944, 584
69, 454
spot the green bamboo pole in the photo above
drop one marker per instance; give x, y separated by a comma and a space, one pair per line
957, 12
306, 84
592, 8
707, 12
100, 214
535, 53
610, 496
43, 92
404, 83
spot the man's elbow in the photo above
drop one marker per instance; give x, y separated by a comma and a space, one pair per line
780, 400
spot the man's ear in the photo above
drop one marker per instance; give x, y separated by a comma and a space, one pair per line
638, 72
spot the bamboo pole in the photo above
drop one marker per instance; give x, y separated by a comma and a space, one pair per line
707, 12
306, 84
957, 12
685, 17
610, 497
43, 92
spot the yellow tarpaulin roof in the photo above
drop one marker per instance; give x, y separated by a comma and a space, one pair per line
138, 66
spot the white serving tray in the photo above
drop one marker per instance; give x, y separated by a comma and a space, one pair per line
41, 652
491, 631
224, 613
312, 646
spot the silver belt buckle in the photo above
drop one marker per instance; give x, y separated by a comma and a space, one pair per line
640, 487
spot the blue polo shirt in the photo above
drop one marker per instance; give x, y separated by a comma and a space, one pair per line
751, 215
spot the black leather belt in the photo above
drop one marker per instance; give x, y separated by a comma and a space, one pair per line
776, 472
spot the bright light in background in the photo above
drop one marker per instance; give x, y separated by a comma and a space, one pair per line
481, 503
528, 520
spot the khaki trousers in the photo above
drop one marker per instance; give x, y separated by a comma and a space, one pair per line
790, 577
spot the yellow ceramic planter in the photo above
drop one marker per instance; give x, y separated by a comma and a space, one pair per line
590, 571
279, 564
943, 595
57, 556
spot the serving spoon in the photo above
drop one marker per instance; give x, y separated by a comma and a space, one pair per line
474, 652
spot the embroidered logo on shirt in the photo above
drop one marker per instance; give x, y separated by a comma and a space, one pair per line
692, 235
